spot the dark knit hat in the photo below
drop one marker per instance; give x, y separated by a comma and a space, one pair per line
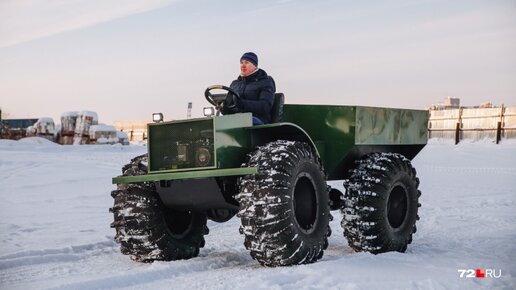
251, 57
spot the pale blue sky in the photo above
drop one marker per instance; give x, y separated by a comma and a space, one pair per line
126, 59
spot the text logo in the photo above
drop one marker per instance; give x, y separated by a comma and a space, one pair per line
480, 273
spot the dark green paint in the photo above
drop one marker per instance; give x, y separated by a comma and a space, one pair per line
173, 145
383, 126
232, 139
331, 128
225, 137
337, 132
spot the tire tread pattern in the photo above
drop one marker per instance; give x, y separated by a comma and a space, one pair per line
140, 224
364, 210
265, 206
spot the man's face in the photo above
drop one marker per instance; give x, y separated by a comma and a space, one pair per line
246, 68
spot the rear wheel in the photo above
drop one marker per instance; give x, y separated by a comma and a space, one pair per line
284, 208
381, 204
146, 229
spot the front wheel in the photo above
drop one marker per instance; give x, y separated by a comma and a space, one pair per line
284, 208
381, 204
146, 229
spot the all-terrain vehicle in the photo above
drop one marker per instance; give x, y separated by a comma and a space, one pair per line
274, 178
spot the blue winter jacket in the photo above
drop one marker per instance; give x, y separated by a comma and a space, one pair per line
256, 94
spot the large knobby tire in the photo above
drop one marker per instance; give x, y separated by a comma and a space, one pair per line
381, 204
146, 229
284, 208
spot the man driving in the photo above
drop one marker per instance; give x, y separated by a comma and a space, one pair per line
256, 90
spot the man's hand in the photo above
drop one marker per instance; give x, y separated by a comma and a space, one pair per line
231, 104
230, 101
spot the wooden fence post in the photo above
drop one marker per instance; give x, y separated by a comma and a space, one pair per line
498, 132
457, 133
499, 125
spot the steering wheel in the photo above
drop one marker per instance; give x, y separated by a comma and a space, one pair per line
217, 99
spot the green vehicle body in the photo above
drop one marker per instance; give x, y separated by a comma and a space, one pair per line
193, 160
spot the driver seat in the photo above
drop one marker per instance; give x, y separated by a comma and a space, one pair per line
277, 104
277, 108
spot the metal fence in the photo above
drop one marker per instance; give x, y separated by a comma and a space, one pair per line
473, 123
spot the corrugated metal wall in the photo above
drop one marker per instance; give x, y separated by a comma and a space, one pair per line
509, 123
473, 123
442, 124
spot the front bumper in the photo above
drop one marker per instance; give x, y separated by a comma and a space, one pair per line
186, 175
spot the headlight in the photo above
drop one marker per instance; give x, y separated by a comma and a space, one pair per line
208, 112
157, 117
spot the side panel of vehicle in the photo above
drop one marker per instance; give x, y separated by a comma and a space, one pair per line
232, 139
332, 129
385, 126
343, 134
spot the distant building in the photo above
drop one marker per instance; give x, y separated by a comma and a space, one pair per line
486, 105
449, 103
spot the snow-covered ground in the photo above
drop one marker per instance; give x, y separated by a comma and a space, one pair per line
55, 234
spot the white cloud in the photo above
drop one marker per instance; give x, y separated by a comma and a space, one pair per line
25, 20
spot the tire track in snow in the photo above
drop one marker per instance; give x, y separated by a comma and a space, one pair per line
68, 254
22, 168
166, 271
